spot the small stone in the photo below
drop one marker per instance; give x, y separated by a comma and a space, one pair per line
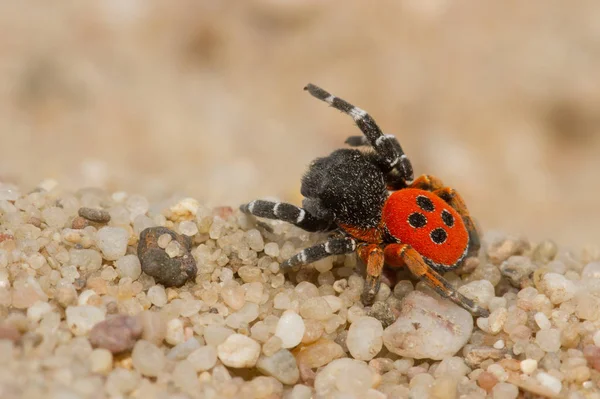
365, 338
504, 390
38, 310
129, 266
148, 359
496, 320
542, 321
239, 351
157, 295
548, 340
517, 269
528, 366
271, 346
290, 328
596, 338
214, 334
480, 291
544, 252
153, 326
117, 334
558, 288
281, 365
79, 223
9, 333
487, 381
382, 312
318, 354
101, 361
188, 228
112, 241
81, 319
444, 388
173, 249
549, 381
55, 217
183, 350
175, 334
255, 240
203, 358
155, 262
233, 295
592, 355
300, 392
164, 240
94, 215
316, 308
428, 328
272, 249
345, 375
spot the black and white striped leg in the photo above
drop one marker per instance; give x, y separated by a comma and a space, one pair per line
387, 147
334, 246
287, 213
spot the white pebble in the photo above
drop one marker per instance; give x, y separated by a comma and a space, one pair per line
499, 344
173, 249
148, 359
597, 338
528, 366
157, 295
38, 310
549, 381
255, 240
316, 308
335, 303
188, 228
112, 241
344, 375
504, 390
290, 329
365, 338
548, 340
81, 319
101, 361
272, 249
164, 240
558, 288
129, 266
203, 358
239, 351
175, 334
542, 321
480, 291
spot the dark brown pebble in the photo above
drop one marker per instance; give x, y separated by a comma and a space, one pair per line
95, 215
170, 272
117, 334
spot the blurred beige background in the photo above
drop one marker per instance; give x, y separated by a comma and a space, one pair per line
500, 99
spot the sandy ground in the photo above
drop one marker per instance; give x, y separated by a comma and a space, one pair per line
205, 98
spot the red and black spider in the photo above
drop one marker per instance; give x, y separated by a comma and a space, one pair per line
370, 198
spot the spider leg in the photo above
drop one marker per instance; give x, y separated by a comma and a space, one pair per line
455, 200
403, 254
373, 256
334, 246
287, 213
386, 146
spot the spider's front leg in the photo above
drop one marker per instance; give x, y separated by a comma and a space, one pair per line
288, 213
334, 246
403, 254
455, 200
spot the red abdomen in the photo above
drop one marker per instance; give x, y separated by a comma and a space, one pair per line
427, 223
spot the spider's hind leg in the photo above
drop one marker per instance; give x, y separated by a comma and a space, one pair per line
288, 213
334, 246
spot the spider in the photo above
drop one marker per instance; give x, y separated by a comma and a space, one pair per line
367, 197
